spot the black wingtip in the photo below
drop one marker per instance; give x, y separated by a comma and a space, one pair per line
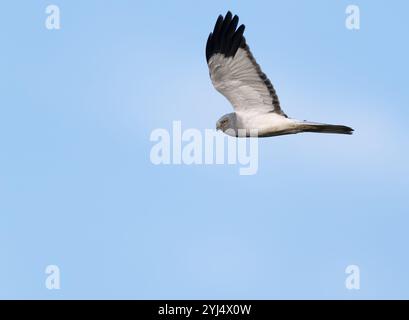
226, 38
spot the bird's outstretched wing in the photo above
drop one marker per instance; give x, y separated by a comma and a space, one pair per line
234, 71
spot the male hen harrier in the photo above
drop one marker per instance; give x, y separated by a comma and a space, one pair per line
236, 75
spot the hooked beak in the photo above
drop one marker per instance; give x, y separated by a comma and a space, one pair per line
218, 128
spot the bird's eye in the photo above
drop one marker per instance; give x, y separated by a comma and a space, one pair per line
224, 121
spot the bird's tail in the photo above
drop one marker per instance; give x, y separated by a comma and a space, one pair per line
306, 126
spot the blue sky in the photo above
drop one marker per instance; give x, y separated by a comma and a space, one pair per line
78, 190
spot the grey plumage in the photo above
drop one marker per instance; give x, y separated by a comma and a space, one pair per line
236, 74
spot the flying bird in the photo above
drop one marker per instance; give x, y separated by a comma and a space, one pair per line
237, 76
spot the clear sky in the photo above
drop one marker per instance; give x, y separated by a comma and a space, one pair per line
78, 189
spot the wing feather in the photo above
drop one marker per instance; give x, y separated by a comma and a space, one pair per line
235, 72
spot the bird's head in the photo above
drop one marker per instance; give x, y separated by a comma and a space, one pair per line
227, 122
